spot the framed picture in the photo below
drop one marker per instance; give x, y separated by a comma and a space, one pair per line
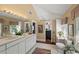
40, 28
26, 27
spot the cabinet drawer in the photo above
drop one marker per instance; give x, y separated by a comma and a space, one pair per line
3, 52
2, 48
13, 50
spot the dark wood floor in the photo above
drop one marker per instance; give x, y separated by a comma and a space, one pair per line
47, 42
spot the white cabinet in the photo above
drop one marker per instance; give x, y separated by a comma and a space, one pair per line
22, 47
30, 43
13, 49
27, 44
2, 49
3, 52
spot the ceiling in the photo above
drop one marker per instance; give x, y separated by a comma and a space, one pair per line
35, 11
50, 11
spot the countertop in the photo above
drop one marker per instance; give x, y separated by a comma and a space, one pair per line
11, 38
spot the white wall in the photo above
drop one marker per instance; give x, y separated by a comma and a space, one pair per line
58, 26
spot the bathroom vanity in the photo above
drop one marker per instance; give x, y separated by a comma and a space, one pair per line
18, 44
13, 40
14, 37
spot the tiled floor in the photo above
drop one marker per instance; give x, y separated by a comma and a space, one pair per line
48, 47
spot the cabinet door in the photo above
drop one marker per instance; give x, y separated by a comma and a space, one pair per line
22, 47
3, 52
13, 49
30, 42
33, 40
2, 49
27, 44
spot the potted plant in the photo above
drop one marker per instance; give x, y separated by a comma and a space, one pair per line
61, 33
69, 49
19, 33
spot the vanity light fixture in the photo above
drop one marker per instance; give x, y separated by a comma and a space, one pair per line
12, 14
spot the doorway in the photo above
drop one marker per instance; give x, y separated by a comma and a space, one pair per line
48, 33
33, 27
48, 36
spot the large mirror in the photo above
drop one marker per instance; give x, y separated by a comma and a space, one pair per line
76, 30
40, 28
71, 31
27, 27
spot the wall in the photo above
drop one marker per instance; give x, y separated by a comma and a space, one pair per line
53, 31
41, 36
68, 14
70, 21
